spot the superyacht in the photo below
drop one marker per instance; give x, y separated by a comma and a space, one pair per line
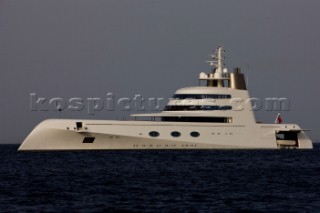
200, 117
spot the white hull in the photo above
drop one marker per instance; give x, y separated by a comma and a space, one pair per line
113, 135
216, 116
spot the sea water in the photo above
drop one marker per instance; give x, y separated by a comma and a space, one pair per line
160, 181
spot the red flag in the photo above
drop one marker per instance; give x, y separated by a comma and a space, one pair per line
279, 119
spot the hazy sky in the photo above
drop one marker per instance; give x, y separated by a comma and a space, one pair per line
88, 48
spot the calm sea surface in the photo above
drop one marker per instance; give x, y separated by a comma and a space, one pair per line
160, 181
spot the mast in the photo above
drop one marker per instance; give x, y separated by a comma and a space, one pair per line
216, 78
216, 61
219, 58
219, 76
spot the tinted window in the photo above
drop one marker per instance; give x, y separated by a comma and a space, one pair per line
198, 119
154, 134
195, 107
175, 134
201, 96
195, 134
88, 140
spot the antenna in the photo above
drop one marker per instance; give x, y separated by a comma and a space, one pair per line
247, 80
217, 58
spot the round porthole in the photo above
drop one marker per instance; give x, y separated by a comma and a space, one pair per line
195, 134
175, 134
154, 134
